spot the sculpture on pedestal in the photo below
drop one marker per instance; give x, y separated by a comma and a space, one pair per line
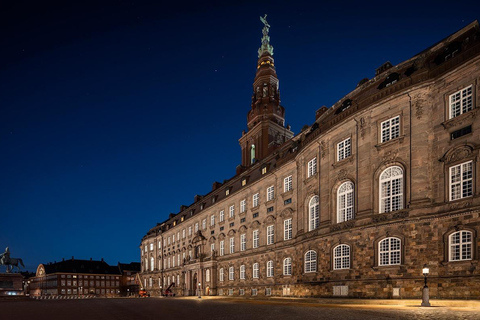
8, 262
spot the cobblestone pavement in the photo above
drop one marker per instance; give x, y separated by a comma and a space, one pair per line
189, 308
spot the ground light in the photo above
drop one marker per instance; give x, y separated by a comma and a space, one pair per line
425, 293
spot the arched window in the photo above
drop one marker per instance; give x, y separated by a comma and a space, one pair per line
255, 270
242, 272
270, 268
389, 250
220, 274
341, 257
287, 266
391, 189
460, 246
231, 273
207, 275
345, 201
310, 261
152, 263
313, 216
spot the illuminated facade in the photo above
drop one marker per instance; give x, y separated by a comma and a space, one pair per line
382, 183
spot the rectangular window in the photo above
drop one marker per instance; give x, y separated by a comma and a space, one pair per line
222, 216
461, 181
255, 199
212, 248
270, 193
255, 215
268, 291
232, 224
242, 220
270, 209
173, 238
254, 291
196, 226
183, 233
460, 102
255, 238
204, 224
190, 231
232, 211
390, 129
287, 229
243, 205
461, 132
232, 245
241, 292
287, 184
222, 248
151, 246
344, 149
312, 167
270, 235
255, 270
264, 170
212, 220
243, 242
287, 201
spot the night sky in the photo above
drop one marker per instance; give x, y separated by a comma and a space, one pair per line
115, 113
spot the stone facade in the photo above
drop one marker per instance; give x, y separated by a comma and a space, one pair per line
381, 184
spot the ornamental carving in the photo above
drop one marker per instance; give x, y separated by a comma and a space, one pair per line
342, 175
460, 120
460, 205
457, 154
363, 127
343, 225
288, 212
390, 156
419, 101
323, 149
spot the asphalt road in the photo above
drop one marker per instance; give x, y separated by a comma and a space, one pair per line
232, 309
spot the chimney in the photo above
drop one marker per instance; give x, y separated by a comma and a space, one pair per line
73, 258
63, 259
102, 259
90, 259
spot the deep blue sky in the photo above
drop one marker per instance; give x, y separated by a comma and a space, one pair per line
112, 115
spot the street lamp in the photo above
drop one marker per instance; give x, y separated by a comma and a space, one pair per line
199, 292
425, 293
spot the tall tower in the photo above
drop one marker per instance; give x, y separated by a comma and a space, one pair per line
266, 118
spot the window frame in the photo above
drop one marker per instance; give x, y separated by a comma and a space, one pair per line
461, 245
255, 199
242, 272
312, 167
222, 247
287, 229
220, 275
343, 198
255, 270
389, 252
401, 195
461, 110
287, 266
270, 234
313, 216
243, 242
310, 263
344, 150
255, 238
341, 260
231, 273
462, 180
270, 193
270, 270
390, 127
288, 183
232, 245
243, 205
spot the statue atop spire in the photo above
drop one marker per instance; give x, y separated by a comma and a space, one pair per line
266, 46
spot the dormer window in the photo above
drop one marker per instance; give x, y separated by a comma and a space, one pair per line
449, 52
227, 192
389, 80
345, 105
264, 170
244, 182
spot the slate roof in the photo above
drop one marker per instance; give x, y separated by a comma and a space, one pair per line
81, 266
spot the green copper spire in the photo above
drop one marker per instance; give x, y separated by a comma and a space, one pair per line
266, 47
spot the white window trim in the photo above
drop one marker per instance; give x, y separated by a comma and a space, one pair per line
392, 126
461, 101
345, 194
270, 193
461, 182
344, 149
390, 252
312, 167
255, 239
313, 213
388, 180
255, 268
270, 269
287, 184
341, 259
270, 235
311, 263
287, 229
255, 200
462, 246
287, 266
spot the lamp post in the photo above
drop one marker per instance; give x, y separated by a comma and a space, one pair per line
425, 293
199, 290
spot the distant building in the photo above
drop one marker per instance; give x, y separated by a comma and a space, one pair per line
129, 285
384, 182
77, 277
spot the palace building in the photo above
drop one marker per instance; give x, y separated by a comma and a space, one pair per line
380, 184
